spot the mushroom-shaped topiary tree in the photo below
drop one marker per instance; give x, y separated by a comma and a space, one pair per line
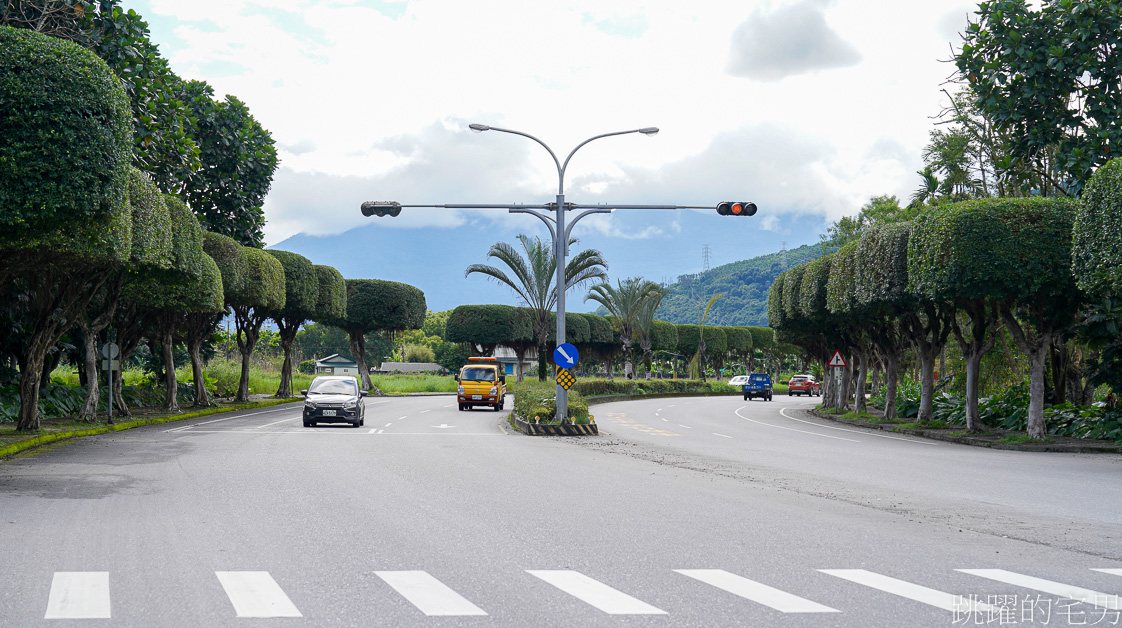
262, 292
1015, 252
65, 226
379, 305
301, 289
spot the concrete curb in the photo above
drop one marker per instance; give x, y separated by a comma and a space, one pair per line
38, 441
543, 429
983, 440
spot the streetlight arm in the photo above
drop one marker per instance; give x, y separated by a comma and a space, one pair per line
569, 228
561, 170
549, 222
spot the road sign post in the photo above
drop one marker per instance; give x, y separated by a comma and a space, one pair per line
109, 353
838, 362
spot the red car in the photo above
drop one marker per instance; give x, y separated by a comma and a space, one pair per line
804, 385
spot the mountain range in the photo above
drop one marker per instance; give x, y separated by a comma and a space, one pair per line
659, 246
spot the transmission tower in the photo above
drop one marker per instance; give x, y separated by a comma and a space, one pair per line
705, 256
783, 253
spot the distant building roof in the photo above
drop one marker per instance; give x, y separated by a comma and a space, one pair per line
336, 360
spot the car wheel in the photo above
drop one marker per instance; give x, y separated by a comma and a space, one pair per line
745, 397
308, 423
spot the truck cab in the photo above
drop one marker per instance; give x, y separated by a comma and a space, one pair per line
758, 385
482, 383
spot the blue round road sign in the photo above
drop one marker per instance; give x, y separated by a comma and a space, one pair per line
565, 356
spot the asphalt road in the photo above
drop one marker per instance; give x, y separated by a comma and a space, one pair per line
684, 512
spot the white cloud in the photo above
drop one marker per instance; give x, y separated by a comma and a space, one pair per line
370, 100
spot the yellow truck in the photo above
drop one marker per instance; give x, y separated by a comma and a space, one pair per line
482, 383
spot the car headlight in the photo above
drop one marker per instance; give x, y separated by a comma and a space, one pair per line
460, 389
494, 389
351, 405
308, 405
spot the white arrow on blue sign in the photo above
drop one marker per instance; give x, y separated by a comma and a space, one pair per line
565, 356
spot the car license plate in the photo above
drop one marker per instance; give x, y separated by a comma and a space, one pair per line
328, 413
477, 396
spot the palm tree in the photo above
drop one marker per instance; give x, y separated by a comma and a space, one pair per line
626, 303
927, 189
534, 279
645, 322
700, 357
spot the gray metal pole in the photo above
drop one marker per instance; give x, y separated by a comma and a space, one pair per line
560, 243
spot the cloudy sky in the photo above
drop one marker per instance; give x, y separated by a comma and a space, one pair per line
806, 107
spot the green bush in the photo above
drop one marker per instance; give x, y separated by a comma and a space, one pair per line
535, 399
307, 367
598, 387
65, 133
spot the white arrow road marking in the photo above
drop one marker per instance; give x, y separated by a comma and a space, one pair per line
428, 594
256, 594
1102, 600
938, 599
596, 593
755, 591
79, 595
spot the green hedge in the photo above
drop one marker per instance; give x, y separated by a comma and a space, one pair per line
598, 387
301, 285
1097, 246
331, 297
151, 222
65, 133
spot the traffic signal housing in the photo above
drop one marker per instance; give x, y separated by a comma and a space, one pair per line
381, 208
736, 208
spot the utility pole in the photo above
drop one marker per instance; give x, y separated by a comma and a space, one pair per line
705, 256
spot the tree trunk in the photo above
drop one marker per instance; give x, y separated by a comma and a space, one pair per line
859, 404
167, 340
891, 379
88, 413
202, 397
846, 386
288, 332
927, 385
1034, 345
31, 369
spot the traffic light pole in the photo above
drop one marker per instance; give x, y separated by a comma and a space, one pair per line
558, 229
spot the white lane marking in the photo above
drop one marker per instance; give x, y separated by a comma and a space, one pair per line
402, 417
340, 431
756, 591
424, 411
295, 418
256, 594
388, 424
670, 406
666, 420
685, 426
79, 595
229, 418
865, 433
373, 431
1113, 572
1098, 598
428, 594
780, 427
938, 599
721, 435
595, 593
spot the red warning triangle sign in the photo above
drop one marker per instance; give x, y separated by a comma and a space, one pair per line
837, 360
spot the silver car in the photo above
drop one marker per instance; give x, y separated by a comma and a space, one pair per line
334, 399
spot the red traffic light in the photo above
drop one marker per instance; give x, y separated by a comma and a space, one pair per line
736, 208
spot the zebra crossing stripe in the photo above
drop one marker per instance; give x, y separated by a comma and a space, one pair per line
904, 589
595, 593
79, 595
431, 596
256, 594
1102, 600
755, 591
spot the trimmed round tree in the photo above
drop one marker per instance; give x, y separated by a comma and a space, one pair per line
602, 343
1097, 234
485, 327
763, 341
262, 292
1014, 252
301, 291
882, 288
379, 305
65, 144
664, 338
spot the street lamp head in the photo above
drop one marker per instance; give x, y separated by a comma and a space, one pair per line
649, 131
479, 128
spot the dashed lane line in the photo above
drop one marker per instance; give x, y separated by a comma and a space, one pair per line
278, 422
721, 435
685, 426
780, 427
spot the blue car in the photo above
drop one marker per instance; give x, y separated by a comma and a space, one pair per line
758, 385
